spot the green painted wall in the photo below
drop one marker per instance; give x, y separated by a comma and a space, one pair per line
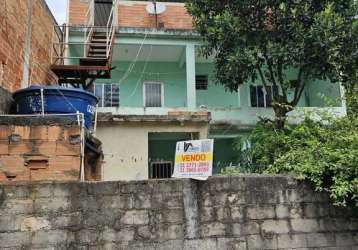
162, 145
175, 88
215, 96
324, 94
131, 82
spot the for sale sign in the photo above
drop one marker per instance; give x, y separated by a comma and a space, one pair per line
194, 159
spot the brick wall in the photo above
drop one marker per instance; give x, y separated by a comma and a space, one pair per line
245, 212
133, 14
33, 153
14, 32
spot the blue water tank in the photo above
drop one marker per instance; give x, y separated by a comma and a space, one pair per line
57, 100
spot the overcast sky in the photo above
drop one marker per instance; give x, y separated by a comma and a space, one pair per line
58, 8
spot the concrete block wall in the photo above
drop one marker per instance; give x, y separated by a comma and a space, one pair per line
35, 153
244, 212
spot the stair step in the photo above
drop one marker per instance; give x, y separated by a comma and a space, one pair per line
99, 33
97, 56
93, 50
99, 36
94, 40
98, 45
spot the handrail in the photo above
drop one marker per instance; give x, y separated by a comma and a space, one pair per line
90, 23
59, 43
111, 28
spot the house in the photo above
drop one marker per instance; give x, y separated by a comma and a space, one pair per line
159, 89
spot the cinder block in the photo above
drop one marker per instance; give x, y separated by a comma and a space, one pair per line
71, 131
46, 148
60, 163
67, 149
282, 211
135, 217
39, 133
275, 226
23, 131
12, 163
212, 229
290, 241
260, 212
320, 240
246, 228
22, 147
305, 225
5, 132
55, 133
4, 147
259, 242
231, 243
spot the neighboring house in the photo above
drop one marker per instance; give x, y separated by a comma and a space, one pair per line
26, 28
161, 90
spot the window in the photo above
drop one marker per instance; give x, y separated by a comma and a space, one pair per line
161, 170
262, 98
107, 94
153, 94
201, 82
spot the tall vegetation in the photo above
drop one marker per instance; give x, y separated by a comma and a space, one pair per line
255, 40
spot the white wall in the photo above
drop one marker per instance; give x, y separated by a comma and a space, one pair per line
125, 146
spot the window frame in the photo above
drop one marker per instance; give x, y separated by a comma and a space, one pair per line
207, 82
161, 93
102, 100
264, 95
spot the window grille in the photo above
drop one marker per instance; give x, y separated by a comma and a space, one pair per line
161, 170
153, 94
107, 94
261, 97
201, 82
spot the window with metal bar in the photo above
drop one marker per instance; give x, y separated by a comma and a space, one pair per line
153, 94
108, 94
201, 82
261, 97
161, 170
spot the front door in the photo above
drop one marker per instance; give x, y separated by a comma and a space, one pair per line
102, 11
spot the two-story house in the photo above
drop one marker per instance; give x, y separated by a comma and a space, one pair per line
161, 90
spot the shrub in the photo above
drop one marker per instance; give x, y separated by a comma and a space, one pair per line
324, 152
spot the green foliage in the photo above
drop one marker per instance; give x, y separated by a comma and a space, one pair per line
352, 99
324, 152
255, 39
232, 170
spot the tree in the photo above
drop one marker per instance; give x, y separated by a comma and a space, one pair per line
264, 40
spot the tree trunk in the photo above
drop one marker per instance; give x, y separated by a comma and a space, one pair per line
280, 116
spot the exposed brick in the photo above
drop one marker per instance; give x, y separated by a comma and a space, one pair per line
134, 14
13, 30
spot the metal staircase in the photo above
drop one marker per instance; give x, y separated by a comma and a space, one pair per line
96, 59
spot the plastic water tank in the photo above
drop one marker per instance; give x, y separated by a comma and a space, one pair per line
57, 100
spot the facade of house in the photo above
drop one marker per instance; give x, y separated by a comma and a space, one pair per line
162, 90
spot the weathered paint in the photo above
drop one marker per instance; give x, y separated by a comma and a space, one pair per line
125, 146
190, 76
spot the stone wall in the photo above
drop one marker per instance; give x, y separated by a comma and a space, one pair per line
245, 212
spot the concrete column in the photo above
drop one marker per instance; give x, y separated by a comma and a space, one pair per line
190, 77
27, 48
